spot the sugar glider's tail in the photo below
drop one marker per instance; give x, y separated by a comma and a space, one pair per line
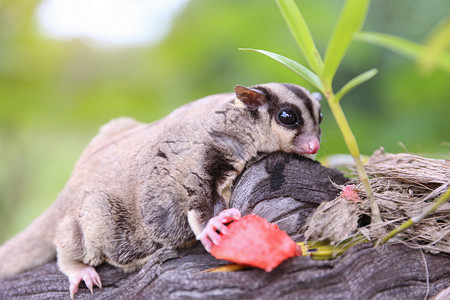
33, 246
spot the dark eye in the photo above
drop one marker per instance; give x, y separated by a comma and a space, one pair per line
320, 117
287, 116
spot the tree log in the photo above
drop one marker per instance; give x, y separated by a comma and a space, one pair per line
284, 189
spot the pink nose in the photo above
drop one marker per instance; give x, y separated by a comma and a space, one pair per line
312, 146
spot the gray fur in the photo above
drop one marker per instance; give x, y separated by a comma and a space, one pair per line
134, 186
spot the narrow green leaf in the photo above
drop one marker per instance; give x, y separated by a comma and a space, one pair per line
361, 78
437, 42
391, 42
301, 33
298, 68
350, 21
402, 46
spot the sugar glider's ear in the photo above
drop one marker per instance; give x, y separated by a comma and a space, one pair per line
252, 98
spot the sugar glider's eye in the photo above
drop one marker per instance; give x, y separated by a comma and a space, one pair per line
320, 117
288, 117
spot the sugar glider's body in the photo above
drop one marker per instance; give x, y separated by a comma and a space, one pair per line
139, 181
138, 187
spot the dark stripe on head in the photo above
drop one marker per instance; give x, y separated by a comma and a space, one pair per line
272, 99
306, 99
296, 90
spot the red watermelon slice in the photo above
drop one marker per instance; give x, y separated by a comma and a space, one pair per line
255, 242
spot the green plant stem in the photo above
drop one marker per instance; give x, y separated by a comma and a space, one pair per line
352, 146
414, 220
321, 250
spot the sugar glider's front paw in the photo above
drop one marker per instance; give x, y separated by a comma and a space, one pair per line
88, 275
209, 235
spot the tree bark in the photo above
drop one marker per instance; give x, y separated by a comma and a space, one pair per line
284, 189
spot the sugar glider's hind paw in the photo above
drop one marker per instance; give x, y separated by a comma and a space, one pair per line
88, 275
209, 235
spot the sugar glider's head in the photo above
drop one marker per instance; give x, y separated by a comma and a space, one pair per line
289, 116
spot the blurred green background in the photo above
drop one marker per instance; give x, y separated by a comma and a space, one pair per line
55, 93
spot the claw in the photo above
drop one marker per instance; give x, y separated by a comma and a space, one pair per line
88, 275
73, 290
89, 284
98, 281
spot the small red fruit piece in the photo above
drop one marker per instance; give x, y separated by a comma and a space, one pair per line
350, 193
255, 242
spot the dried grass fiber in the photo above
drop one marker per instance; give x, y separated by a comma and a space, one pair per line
404, 185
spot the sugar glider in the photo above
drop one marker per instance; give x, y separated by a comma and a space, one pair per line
139, 187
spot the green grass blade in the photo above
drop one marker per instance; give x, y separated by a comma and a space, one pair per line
301, 33
391, 42
437, 42
361, 78
402, 46
350, 21
298, 68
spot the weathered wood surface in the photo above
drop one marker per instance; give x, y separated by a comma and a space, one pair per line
284, 189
